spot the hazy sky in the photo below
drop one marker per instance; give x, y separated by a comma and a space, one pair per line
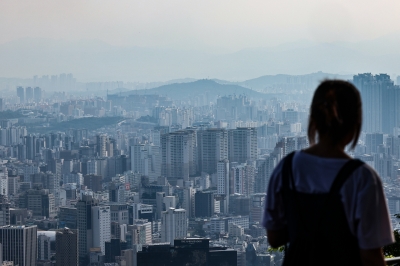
227, 24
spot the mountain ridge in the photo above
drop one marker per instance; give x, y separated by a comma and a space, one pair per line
92, 60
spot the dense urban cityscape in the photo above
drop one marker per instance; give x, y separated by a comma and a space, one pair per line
168, 174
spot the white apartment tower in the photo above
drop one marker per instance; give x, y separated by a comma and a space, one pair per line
101, 223
146, 160
173, 225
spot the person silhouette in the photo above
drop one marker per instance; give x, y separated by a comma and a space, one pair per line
324, 206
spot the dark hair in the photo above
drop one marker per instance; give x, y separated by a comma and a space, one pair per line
336, 111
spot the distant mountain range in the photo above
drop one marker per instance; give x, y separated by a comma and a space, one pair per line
266, 81
92, 60
208, 88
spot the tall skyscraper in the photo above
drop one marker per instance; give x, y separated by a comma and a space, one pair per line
224, 184
85, 229
67, 252
28, 94
223, 178
242, 144
179, 154
101, 145
19, 244
173, 225
101, 224
21, 94
381, 102
37, 94
213, 147
30, 142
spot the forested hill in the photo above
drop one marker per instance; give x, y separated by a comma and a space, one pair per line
184, 91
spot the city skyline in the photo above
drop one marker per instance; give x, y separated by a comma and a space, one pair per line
147, 132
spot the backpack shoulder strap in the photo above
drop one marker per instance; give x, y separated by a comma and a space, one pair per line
344, 174
287, 176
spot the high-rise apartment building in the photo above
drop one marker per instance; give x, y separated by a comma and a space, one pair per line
37, 94
28, 94
101, 224
179, 154
30, 142
223, 178
19, 244
242, 144
173, 225
146, 160
381, 102
67, 252
21, 94
213, 147
224, 184
101, 145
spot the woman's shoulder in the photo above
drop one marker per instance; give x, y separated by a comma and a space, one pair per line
365, 175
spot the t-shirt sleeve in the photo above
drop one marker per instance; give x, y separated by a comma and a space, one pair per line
274, 216
368, 211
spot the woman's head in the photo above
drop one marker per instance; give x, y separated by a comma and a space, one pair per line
335, 112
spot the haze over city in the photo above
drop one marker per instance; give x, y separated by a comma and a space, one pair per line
163, 40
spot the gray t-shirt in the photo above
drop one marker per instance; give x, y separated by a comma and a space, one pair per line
362, 196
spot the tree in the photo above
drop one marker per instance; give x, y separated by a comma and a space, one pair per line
393, 250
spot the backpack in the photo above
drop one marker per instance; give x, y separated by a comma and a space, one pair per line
317, 225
